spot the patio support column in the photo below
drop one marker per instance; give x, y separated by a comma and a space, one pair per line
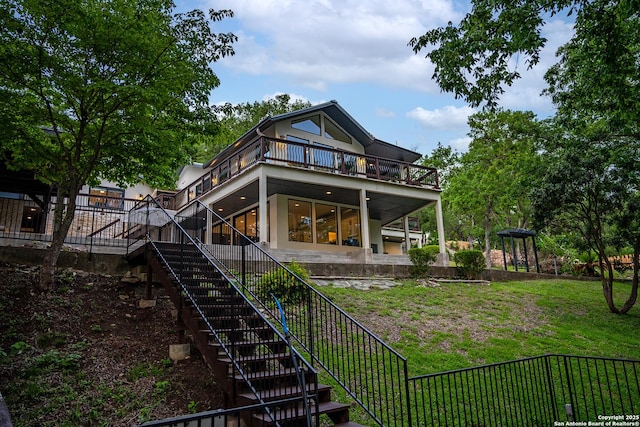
443, 257
364, 220
262, 208
407, 234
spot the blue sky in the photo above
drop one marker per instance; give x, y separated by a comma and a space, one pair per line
356, 52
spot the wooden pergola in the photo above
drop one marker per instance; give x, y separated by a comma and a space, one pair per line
519, 233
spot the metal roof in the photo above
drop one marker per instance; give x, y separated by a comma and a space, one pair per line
518, 233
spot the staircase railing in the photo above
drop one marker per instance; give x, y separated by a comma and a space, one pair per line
370, 371
157, 227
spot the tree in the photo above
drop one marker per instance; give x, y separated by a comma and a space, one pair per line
592, 181
102, 89
583, 186
236, 120
596, 89
490, 186
473, 59
447, 161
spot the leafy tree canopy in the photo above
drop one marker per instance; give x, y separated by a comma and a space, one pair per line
473, 59
112, 89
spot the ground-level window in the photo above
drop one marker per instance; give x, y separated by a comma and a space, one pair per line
326, 224
299, 221
247, 224
221, 234
333, 225
350, 226
105, 197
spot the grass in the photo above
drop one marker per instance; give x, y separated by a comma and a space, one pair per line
458, 325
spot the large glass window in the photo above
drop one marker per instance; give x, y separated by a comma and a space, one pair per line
332, 131
105, 197
299, 221
221, 234
247, 224
323, 156
295, 153
350, 226
32, 218
310, 124
326, 224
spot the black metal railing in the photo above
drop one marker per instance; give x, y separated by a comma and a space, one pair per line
234, 325
98, 220
295, 154
220, 417
370, 371
536, 391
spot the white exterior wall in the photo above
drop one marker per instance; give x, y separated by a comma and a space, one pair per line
375, 232
188, 174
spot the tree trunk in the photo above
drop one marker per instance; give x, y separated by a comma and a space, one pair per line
607, 279
63, 218
487, 237
634, 284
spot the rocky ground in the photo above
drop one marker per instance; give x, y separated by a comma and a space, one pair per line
87, 354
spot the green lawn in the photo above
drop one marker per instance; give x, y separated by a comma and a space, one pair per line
458, 325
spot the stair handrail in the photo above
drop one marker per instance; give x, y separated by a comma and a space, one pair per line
276, 331
308, 346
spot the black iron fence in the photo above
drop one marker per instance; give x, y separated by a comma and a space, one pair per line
99, 220
536, 391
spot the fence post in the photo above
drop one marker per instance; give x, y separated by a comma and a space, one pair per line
406, 390
551, 387
93, 223
570, 413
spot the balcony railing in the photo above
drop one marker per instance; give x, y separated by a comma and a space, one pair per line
312, 157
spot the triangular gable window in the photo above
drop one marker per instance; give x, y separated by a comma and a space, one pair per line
332, 131
309, 124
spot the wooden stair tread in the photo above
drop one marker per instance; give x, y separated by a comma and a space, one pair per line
284, 392
266, 374
249, 343
290, 414
257, 357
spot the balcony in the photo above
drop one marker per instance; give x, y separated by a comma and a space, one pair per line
311, 157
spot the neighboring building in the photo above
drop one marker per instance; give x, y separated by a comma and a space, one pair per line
315, 180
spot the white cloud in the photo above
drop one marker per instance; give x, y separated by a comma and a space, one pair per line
525, 93
460, 144
448, 117
320, 42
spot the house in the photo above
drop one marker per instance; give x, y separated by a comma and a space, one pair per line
316, 181
309, 182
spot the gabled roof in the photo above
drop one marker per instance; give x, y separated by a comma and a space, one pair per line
372, 146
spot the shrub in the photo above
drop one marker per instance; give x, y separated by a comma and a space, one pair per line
285, 286
470, 263
422, 258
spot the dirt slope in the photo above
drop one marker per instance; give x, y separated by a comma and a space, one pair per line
86, 354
